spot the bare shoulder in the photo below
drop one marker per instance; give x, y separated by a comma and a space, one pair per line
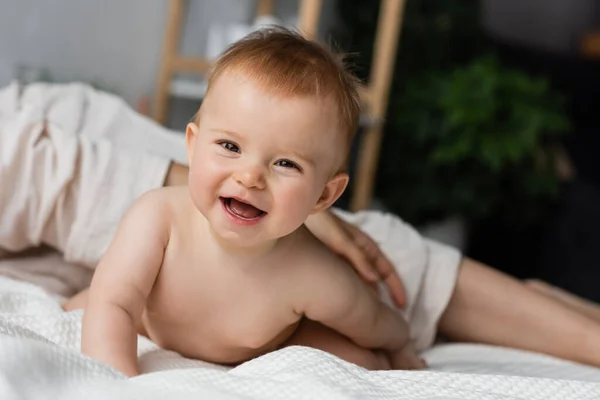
168, 197
314, 256
318, 271
161, 203
156, 210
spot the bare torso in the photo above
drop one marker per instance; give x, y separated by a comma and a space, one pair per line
195, 294
206, 305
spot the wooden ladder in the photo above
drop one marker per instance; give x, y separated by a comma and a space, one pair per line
374, 95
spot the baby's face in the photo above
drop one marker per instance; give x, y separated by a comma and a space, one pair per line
259, 164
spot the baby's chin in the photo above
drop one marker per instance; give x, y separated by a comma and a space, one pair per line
238, 239
254, 239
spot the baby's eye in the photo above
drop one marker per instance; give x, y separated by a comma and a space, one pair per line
287, 164
229, 146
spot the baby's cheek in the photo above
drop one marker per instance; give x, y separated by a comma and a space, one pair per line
204, 167
201, 182
300, 203
197, 175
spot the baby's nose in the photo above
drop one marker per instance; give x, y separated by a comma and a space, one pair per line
251, 178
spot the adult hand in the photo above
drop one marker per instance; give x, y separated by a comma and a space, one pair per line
359, 249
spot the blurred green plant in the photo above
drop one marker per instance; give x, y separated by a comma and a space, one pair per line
470, 141
482, 111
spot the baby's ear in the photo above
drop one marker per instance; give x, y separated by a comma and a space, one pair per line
191, 132
333, 190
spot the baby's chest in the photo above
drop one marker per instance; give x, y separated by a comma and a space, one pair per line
223, 307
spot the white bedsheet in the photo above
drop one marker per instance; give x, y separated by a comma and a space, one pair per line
39, 358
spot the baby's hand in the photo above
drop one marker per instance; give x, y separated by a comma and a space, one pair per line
406, 358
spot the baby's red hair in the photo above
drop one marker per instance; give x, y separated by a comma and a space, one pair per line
284, 63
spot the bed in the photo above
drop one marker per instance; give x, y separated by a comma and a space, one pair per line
40, 358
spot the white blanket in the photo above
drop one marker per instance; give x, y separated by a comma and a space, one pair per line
40, 358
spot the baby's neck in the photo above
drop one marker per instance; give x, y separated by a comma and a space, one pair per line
254, 251
257, 252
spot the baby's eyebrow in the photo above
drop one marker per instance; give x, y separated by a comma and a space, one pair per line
303, 157
227, 132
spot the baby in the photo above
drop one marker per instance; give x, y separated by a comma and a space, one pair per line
224, 270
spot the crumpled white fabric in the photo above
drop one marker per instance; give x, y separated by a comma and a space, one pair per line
40, 359
63, 150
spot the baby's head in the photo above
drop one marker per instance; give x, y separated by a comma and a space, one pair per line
269, 143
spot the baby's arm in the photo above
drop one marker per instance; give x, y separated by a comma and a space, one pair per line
121, 284
336, 297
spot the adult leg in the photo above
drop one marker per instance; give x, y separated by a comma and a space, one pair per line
177, 175
490, 307
586, 307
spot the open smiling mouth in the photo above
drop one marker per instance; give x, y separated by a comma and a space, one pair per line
243, 211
